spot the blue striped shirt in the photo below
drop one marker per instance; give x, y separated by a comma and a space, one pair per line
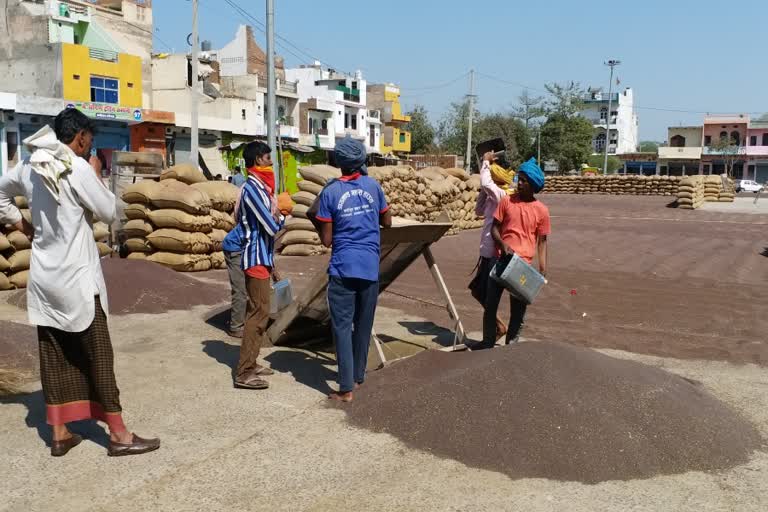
258, 225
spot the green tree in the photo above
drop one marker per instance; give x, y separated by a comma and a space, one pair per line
529, 108
517, 138
727, 149
567, 139
649, 146
453, 127
565, 99
614, 164
422, 131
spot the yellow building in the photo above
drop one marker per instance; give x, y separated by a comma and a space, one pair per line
386, 98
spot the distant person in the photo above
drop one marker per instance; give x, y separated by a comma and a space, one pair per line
66, 295
495, 185
238, 179
233, 246
350, 212
521, 225
260, 220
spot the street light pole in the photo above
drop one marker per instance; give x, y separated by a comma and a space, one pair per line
612, 64
468, 162
271, 96
194, 135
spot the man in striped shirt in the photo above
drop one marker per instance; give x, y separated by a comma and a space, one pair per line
259, 220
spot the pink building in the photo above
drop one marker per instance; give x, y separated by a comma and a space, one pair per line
757, 152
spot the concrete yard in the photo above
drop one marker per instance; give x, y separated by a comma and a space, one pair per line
681, 290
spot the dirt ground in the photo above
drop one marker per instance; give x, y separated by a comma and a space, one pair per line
684, 291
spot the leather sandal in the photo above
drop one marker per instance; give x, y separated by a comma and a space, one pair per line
136, 447
252, 382
61, 448
263, 371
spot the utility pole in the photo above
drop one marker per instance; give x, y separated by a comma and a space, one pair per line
194, 86
538, 145
271, 97
612, 64
471, 96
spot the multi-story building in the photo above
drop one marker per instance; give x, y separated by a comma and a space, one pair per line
682, 155
622, 134
757, 151
93, 56
331, 105
386, 98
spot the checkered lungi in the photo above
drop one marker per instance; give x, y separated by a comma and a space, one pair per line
77, 372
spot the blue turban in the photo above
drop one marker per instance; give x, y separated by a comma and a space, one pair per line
534, 174
351, 155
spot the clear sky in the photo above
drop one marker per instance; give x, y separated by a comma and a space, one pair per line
681, 58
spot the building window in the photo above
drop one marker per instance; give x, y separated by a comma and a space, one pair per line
765, 139
104, 90
402, 138
707, 140
735, 138
346, 120
603, 113
678, 141
753, 140
353, 118
723, 136
354, 85
324, 125
243, 113
280, 112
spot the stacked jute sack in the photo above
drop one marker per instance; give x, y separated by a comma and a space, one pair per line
718, 189
690, 192
299, 237
613, 185
179, 222
16, 250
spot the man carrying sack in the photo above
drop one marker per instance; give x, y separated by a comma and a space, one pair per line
66, 295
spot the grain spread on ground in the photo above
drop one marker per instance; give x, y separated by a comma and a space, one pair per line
553, 410
18, 355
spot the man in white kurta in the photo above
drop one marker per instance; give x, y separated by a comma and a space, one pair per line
67, 295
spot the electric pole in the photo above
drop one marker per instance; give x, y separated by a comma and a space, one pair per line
612, 64
271, 97
194, 88
471, 96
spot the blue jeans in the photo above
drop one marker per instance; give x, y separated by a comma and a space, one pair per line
352, 304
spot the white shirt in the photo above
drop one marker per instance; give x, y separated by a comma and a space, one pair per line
65, 271
487, 201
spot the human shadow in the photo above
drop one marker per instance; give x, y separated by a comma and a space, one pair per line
35, 404
219, 318
765, 252
440, 335
306, 367
673, 204
223, 352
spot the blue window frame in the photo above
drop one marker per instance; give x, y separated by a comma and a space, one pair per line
105, 90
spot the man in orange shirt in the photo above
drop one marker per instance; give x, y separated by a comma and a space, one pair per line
520, 226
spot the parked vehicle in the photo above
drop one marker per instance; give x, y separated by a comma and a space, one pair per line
748, 186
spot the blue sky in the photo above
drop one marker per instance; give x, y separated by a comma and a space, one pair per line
705, 56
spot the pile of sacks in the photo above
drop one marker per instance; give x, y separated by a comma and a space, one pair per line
179, 222
718, 189
690, 192
613, 185
299, 237
16, 250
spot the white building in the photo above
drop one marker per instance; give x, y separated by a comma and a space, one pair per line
623, 129
332, 105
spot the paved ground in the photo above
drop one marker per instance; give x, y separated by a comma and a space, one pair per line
743, 204
282, 449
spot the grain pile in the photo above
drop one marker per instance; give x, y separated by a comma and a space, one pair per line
180, 221
555, 411
18, 356
16, 250
690, 192
299, 237
613, 185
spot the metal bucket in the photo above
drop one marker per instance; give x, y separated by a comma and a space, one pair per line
518, 277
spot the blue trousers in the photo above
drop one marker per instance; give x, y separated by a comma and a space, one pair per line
352, 304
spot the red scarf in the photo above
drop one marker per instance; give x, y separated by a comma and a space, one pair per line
265, 174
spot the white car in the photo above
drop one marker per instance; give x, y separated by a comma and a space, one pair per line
748, 186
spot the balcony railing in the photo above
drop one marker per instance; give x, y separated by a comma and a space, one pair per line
374, 114
106, 55
289, 87
286, 121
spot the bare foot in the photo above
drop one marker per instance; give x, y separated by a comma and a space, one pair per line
340, 397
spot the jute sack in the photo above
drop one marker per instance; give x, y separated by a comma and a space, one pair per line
301, 237
223, 195
308, 186
140, 193
138, 245
174, 240
178, 219
186, 173
20, 260
136, 211
5, 283
26, 214
4, 243
222, 220
5, 265
457, 173
725, 200
138, 256
217, 239
20, 279
136, 228
319, 174
19, 240
297, 223
104, 249
21, 202
684, 200
300, 250
300, 211
305, 198
217, 260
685, 195
685, 206
182, 262
180, 196
100, 231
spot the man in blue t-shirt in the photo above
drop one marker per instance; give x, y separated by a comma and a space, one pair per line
350, 213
